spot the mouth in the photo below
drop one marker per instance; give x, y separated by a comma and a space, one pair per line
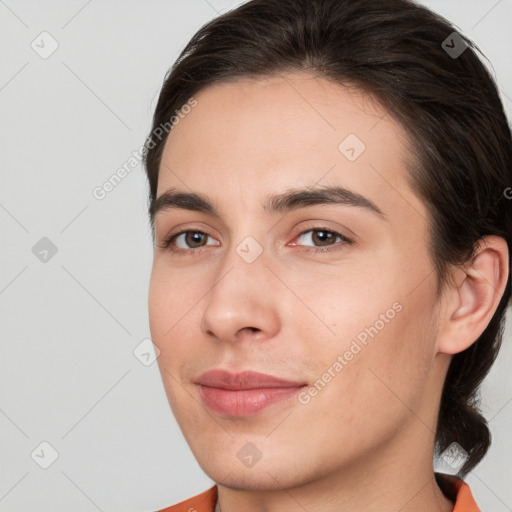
243, 394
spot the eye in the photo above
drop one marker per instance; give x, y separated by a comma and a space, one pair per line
325, 238
187, 241
194, 242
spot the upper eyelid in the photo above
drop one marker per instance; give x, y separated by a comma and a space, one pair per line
317, 222
301, 232
313, 224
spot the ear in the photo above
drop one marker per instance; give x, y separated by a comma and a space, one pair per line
471, 302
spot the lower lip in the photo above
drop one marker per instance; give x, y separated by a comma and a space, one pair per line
245, 402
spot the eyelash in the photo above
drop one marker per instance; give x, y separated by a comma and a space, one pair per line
169, 240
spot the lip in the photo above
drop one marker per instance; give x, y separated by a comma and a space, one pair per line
243, 394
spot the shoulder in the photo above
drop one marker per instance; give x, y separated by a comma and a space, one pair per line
458, 491
454, 488
204, 502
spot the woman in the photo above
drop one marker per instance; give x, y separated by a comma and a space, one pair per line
328, 196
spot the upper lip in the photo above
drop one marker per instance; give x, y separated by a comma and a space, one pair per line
223, 379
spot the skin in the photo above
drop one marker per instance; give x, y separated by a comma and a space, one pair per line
366, 440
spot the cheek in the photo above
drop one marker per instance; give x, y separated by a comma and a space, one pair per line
174, 318
158, 284
172, 294
163, 323
344, 308
372, 394
380, 356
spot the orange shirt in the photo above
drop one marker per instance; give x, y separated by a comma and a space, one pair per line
454, 488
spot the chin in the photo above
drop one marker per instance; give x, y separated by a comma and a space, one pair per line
240, 478
271, 474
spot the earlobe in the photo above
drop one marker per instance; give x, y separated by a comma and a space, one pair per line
476, 296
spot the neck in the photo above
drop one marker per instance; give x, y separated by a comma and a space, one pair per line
428, 497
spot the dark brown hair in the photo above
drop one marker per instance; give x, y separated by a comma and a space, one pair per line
461, 148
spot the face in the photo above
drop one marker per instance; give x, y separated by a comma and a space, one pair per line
336, 297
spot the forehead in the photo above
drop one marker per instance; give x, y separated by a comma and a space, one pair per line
266, 135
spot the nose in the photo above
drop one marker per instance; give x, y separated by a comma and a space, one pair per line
240, 304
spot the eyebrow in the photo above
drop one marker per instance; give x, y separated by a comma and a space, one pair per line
290, 200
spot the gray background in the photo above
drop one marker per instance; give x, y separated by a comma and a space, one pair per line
69, 325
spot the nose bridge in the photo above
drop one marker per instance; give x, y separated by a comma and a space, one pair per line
239, 297
246, 255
